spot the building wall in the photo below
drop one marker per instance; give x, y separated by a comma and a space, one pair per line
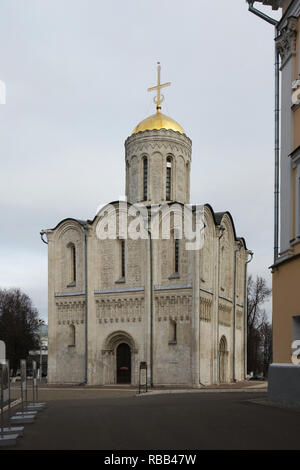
286, 270
157, 146
197, 298
286, 298
119, 311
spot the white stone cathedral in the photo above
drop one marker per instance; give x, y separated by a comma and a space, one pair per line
119, 301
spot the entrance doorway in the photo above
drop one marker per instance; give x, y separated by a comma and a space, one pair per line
123, 364
223, 354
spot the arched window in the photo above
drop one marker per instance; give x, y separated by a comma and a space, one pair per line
168, 178
123, 258
176, 255
172, 332
145, 179
72, 263
72, 335
223, 360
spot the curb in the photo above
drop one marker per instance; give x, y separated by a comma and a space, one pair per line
209, 390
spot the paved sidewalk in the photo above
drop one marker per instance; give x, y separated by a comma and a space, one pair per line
61, 391
238, 385
176, 421
53, 394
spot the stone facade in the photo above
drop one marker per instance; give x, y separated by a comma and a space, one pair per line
156, 146
181, 312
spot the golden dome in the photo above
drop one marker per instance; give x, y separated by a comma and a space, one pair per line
158, 121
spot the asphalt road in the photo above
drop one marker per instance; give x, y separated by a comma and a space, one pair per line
119, 421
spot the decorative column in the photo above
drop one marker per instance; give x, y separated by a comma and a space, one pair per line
286, 42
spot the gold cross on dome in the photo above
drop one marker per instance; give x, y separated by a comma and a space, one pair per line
159, 98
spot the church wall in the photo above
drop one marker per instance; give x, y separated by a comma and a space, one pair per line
172, 364
106, 359
181, 178
164, 263
117, 316
207, 290
206, 352
116, 304
156, 187
70, 313
135, 266
70, 358
115, 309
239, 344
208, 255
134, 178
226, 330
106, 260
108, 264
226, 261
63, 309
186, 303
70, 234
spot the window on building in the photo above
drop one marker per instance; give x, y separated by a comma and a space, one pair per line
176, 255
72, 264
169, 179
172, 332
296, 339
145, 178
123, 260
72, 335
296, 328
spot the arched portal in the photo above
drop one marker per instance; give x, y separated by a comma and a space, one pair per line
123, 364
223, 360
120, 360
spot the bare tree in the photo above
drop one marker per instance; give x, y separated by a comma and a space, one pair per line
267, 345
19, 325
259, 330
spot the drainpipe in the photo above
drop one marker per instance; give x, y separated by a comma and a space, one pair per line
274, 22
196, 356
234, 310
86, 303
246, 312
42, 233
277, 150
198, 309
199, 318
147, 224
151, 310
222, 229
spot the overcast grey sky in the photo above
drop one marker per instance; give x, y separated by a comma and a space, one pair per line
76, 73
